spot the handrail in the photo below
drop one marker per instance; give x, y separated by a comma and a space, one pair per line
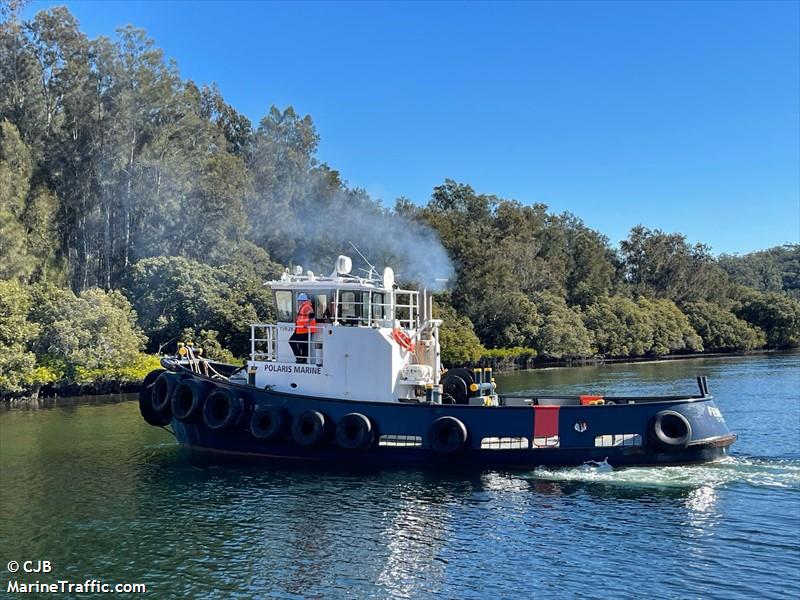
266, 348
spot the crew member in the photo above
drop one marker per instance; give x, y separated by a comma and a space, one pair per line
305, 325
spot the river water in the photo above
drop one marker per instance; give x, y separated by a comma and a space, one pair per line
86, 485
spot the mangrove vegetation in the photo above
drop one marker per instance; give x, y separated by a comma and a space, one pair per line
138, 208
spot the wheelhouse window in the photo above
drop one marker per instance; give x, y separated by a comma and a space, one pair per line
378, 308
283, 306
322, 308
350, 305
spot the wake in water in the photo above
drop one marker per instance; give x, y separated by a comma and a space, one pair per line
756, 472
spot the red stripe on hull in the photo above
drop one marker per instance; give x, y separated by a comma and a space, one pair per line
545, 421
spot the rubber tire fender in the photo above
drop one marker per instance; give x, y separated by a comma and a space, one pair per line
354, 431
308, 428
447, 435
268, 421
662, 426
223, 409
188, 398
161, 393
150, 416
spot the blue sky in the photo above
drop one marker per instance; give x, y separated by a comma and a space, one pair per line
683, 116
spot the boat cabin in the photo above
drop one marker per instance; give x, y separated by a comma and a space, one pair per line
347, 337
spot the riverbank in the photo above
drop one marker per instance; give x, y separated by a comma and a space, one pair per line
125, 386
87, 482
507, 364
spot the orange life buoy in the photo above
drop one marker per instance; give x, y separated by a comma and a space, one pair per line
402, 339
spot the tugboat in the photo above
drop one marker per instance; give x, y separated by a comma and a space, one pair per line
351, 373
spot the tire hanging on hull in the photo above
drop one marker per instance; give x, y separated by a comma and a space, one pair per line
268, 422
161, 394
188, 399
447, 435
354, 431
309, 428
670, 431
223, 409
149, 414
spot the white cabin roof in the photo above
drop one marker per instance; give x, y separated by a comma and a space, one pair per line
294, 282
340, 278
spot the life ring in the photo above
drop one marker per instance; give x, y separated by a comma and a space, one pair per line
354, 432
161, 394
447, 435
223, 409
403, 340
187, 400
268, 422
149, 414
308, 428
670, 431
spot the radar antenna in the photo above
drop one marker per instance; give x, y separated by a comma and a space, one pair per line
372, 268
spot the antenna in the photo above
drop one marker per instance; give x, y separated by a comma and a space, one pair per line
371, 267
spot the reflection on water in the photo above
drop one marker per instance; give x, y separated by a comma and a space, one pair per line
90, 487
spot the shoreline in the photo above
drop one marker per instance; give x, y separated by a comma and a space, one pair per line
127, 387
509, 366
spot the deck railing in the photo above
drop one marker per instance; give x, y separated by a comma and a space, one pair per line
264, 345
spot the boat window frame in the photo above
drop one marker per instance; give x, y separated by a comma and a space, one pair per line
278, 311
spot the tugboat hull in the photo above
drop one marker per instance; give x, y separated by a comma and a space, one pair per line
520, 434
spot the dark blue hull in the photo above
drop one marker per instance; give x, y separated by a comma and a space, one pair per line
623, 433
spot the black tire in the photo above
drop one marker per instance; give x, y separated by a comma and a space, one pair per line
447, 435
308, 428
187, 400
670, 431
354, 431
150, 416
161, 393
268, 422
223, 409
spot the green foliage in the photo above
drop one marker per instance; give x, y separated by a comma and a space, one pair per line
90, 333
457, 337
721, 330
671, 330
15, 177
17, 364
509, 354
775, 313
562, 333
115, 172
667, 266
171, 294
57, 369
773, 270
619, 327
206, 340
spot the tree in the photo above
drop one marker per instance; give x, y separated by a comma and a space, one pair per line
773, 270
282, 157
456, 335
619, 327
207, 340
17, 363
171, 294
15, 177
721, 330
87, 334
666, 266
562, 333
775, 313
671, 330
